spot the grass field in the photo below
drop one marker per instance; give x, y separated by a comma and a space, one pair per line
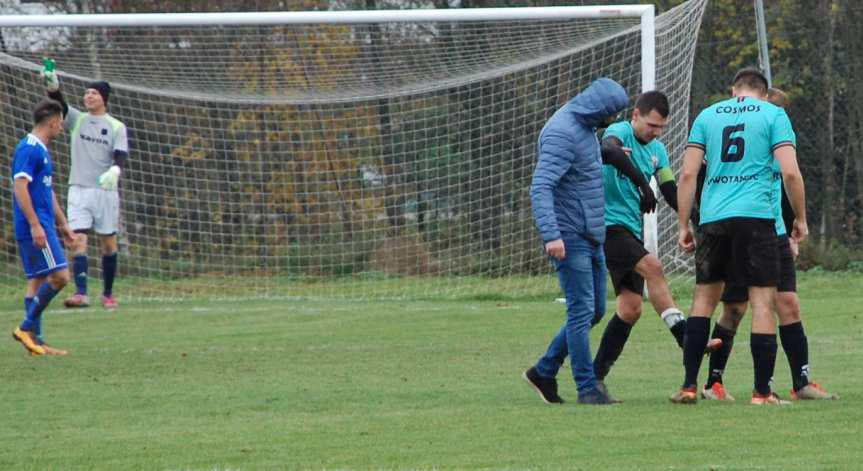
200, 385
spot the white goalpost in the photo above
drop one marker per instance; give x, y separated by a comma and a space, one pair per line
355, 154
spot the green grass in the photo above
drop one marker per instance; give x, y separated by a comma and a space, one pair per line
401, 385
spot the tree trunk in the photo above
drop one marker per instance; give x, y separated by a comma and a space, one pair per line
827, 226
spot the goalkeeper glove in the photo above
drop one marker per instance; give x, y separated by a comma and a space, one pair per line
108, 180
52, 83
648, 198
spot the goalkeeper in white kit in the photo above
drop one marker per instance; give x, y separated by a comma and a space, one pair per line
99, 147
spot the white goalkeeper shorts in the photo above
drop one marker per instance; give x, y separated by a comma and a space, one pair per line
93, 208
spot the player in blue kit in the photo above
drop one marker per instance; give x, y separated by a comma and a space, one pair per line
739, 138
628, 262
36, 211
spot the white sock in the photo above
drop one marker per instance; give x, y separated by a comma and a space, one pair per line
672, 316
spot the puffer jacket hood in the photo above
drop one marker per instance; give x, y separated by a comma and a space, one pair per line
603, 98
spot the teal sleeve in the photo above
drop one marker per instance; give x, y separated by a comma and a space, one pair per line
617, 130
781, 132
696, 134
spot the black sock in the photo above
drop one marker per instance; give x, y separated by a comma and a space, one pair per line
109, 270
679, 332
763, 348
719, 357
796, 348
697, 330
611, 345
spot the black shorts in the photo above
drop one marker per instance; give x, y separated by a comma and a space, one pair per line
787, 276
738, 251
623, 251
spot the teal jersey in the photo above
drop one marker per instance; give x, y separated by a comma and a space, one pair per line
781, 230
738, 137
622, 199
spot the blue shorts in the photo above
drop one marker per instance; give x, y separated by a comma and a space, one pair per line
38, 262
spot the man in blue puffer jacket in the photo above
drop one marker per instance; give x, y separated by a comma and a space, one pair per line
569, 208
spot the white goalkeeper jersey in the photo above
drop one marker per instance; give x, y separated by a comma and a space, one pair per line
93, 142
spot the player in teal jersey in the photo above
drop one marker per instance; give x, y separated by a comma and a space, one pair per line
628, 262
791, 333
739, 138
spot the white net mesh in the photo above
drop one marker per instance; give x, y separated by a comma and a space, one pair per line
358, 160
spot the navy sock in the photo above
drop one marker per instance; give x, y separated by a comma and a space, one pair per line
109, 271
719, 357
796, 348
79, 267
43, 297
611, 346
763, 348
697, 331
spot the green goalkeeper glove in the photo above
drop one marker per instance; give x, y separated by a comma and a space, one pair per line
49, 76
109, 179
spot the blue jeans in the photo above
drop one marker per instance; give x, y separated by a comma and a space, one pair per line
582, 277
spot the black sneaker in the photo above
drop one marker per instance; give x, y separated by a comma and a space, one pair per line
596, 397
545, 387
602, 388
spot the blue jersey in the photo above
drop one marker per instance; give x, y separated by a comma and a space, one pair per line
622, 199
738, 137
33, 162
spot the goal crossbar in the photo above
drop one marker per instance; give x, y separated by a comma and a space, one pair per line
341, 17
644, 12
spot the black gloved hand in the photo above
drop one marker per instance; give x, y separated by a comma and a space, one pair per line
648, 198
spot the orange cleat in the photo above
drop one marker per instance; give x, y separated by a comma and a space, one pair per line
684, 396
768, 399
716, 393
28, 340
812, 391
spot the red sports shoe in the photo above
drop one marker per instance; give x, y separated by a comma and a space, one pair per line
108, 302
716, 393
712, 346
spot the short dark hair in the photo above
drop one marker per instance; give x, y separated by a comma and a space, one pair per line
46, 109
751, 78
652, 100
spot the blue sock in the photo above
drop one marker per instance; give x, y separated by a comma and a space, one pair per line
43, 297
79, 266
109, 270
38, 328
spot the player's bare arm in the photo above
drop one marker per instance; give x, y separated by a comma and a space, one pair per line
793, 181
692, 159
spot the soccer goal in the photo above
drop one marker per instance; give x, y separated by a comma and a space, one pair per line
353, 154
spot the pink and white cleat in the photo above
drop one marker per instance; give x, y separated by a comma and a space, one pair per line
108, 302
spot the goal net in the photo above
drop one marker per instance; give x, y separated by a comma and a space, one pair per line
333, 155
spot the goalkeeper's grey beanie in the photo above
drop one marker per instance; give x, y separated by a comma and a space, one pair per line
103, 88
